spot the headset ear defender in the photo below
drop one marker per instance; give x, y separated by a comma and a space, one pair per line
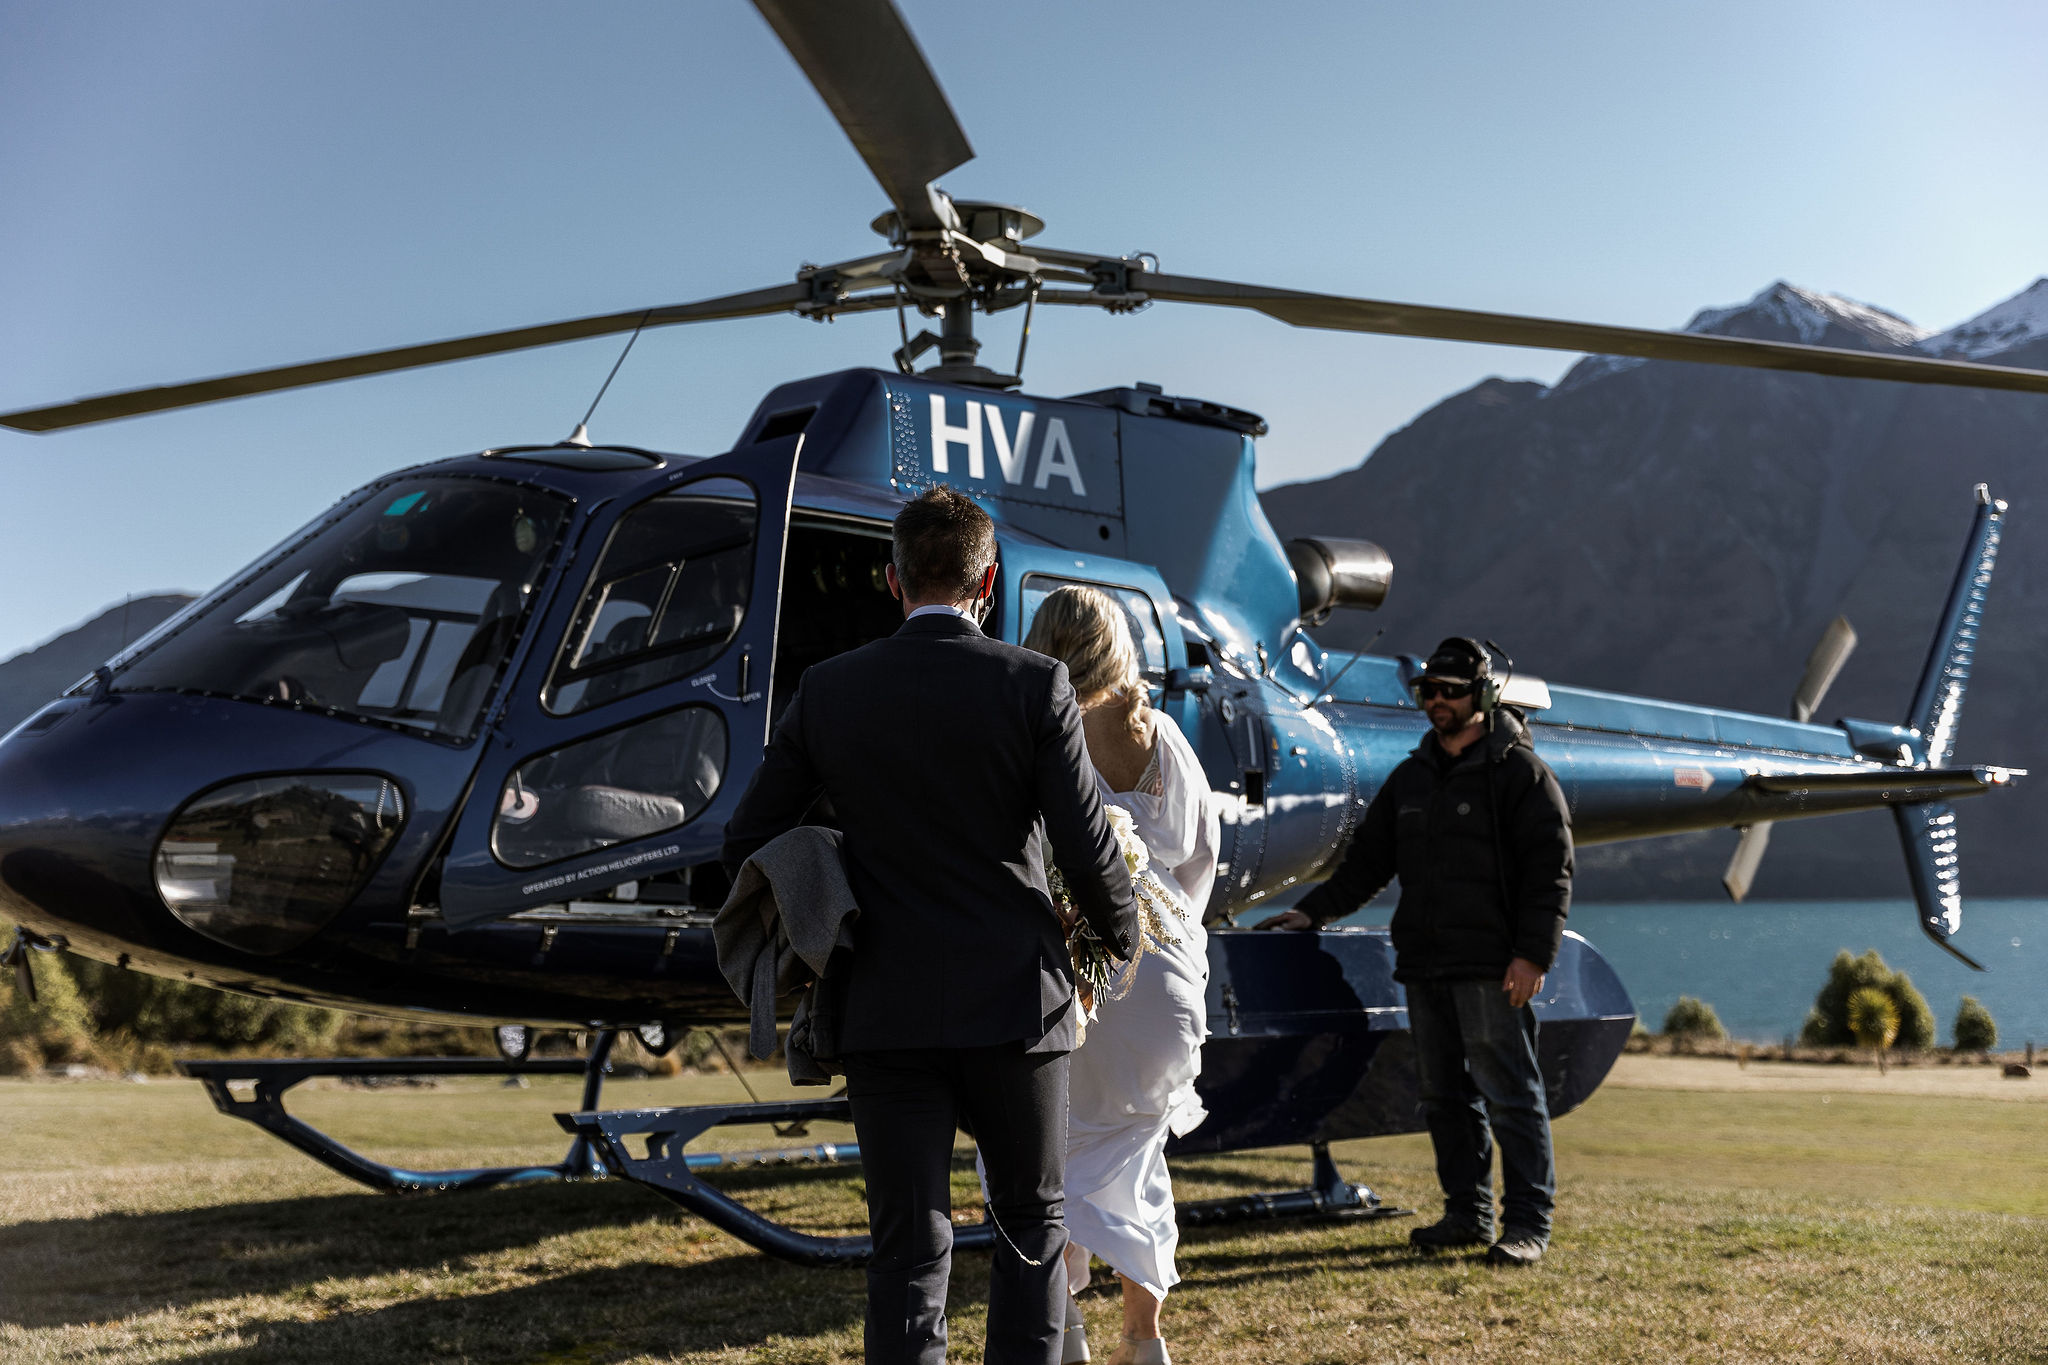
1492, 684
1486, 685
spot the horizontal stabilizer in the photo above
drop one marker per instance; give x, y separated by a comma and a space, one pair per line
1893, 786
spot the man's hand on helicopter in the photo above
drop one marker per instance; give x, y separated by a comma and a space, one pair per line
1522, 983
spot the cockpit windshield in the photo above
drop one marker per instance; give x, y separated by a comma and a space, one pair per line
402, 609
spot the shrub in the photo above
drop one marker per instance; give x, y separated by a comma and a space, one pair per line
1691, 1018
55, 1027
1916, 1016
87, 1011
1873, 1018
21, 1057
182, 1014
1827, 1024
1975, 1032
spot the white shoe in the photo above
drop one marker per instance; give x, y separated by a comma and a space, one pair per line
1141, 1351
1074, 1341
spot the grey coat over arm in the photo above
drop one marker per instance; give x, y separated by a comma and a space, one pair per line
950, 760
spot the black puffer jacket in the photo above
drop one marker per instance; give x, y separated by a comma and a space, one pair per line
1434, 825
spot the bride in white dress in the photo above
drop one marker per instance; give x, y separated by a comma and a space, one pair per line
1131, 1083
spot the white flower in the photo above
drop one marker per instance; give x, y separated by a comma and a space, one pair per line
1136, 857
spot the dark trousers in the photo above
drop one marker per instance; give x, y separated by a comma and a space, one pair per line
1476, 1057
907, 1105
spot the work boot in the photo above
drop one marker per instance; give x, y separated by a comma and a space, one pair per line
1516, 1246
1449, 1232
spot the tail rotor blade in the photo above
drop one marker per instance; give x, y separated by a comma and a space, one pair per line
861, 57
1835, 646
1749, 855
1337, 313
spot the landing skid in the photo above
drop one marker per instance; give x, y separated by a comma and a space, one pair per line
671, 1172
599, 1146
267, 1080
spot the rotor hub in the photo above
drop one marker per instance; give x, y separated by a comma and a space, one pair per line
985, 222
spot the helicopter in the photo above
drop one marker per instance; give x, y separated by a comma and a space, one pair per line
465, 744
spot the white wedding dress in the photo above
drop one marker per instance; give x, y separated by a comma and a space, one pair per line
1131, 1083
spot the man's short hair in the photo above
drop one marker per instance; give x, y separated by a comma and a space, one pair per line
944, 542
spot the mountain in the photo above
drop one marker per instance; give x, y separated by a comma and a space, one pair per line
2020, 321
34, 676
1686, 531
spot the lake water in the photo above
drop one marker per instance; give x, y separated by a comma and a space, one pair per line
1760, 964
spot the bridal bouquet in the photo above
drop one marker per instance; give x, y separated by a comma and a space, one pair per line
1096, 970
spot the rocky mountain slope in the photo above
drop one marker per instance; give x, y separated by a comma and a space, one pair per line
1687, 531
34, 676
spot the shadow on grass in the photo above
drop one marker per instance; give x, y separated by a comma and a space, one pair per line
1208, 1256
1219, 1268
1210, 1172
741, 1301
593, 1315
300, 1253
79, 1270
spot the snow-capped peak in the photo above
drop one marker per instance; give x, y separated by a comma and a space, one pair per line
2019, 320
1779, 312
1807, 314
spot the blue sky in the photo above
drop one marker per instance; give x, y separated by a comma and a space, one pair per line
209, 186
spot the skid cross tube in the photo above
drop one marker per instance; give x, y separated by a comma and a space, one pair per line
272, 1077
670, 1171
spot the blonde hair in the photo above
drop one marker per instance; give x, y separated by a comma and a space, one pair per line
1085, 630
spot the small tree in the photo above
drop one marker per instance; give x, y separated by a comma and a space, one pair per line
1873, 1018
1691, 1018
1827, 1024
1975, 1032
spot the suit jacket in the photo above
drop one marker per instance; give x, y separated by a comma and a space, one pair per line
949, 760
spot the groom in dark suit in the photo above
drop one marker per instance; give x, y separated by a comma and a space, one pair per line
949, 759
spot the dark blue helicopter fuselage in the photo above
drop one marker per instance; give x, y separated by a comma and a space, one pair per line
1144, 495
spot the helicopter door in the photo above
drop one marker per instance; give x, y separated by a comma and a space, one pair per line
643, 709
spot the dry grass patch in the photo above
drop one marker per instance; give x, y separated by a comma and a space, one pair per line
140, 1226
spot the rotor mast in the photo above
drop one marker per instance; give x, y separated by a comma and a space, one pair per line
968, 261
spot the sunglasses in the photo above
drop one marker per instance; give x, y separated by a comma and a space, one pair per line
1429, 690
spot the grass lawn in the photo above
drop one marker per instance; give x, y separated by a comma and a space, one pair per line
1705, 1215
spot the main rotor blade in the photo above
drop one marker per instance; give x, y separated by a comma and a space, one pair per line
1339, 314
861, 57
135, 402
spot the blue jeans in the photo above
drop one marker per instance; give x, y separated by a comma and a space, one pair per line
1476, 1058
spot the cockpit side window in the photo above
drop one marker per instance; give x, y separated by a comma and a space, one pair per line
668, 595
1140, 614
403, 609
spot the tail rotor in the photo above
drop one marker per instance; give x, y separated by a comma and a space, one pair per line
1835, 646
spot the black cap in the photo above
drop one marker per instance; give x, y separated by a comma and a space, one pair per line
1458, 660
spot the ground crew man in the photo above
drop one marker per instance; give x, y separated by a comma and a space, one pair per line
1476, 827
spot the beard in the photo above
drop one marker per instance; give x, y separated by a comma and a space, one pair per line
1444, 719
